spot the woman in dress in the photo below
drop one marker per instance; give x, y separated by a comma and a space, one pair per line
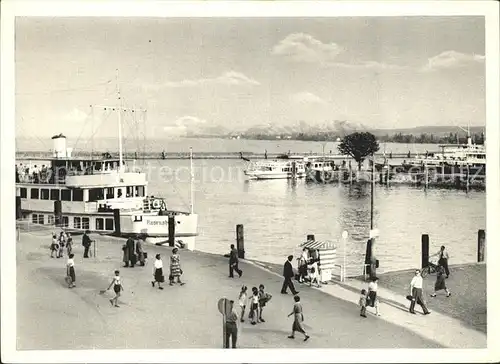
440, 282
175, 267
298, 319
158, 272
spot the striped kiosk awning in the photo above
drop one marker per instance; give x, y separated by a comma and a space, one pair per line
327, 252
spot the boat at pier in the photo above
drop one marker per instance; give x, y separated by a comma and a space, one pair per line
100, 195
276, 169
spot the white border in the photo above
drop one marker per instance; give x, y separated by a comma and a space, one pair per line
11, 8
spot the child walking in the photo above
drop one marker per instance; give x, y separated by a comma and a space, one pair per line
70, 266
117, 287
254, 305
362, 303
242, 299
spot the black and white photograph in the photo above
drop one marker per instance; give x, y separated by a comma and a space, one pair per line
231, 176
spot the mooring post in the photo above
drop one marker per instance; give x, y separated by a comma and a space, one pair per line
425, 250
240, 241
426, 176
368, 259
18, 207
467, 185
294, 170
171, 230
481, 244
58, 213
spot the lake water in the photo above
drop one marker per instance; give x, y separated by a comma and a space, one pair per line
278, 214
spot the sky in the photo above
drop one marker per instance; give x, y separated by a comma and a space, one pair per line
190, 73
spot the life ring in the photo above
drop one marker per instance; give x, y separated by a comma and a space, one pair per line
157, 204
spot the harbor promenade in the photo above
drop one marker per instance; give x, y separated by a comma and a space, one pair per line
51, 316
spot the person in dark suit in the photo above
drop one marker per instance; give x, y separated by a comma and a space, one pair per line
86, 242
233, 262
288, 275
131, 253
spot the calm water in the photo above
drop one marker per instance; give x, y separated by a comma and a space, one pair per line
278, 214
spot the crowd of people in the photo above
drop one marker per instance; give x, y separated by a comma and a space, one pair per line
33, 174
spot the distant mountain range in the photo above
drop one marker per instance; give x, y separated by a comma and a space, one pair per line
338, 128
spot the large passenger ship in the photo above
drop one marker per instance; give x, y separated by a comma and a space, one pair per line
100, 195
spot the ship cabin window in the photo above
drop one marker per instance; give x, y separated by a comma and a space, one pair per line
34, 218
51, 219
65, 195
139, 191
34, 193
77, 195
85, 223
77, 223
54, 194
129, 190
44, 194
41, 219
96, 194
99, 223
110, 192
109, 224
24, 192
65, 221
137, 218
119, 193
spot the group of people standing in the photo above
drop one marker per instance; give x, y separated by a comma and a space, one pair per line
59, 243
133, 252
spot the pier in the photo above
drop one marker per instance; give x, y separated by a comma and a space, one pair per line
32, 155
187, 317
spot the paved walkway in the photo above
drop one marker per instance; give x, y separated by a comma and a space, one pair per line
443, 328
51, 316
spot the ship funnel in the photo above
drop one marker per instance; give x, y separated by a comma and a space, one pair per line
59, 146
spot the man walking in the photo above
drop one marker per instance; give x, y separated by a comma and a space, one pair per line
86, 242
131, 252
288, 275
233, 262
231, 327
417, 293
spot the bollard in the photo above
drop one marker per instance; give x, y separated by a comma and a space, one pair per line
425, 250
116, 216
18, 208
58, 213
171, 231
240, 241
481, 244
294, 170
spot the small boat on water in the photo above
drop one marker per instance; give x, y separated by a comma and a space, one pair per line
276, 169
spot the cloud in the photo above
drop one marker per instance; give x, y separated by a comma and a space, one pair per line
300, 47
307, 98
230, 78
183, 125
75, 116
304, 48
452, 59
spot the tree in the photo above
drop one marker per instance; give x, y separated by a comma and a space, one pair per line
359, 146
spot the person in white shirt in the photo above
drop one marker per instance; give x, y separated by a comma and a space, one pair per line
314, 275
416, 292
70, 266
373, 300
158, 272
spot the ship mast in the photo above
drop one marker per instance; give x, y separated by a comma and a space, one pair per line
119, 108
